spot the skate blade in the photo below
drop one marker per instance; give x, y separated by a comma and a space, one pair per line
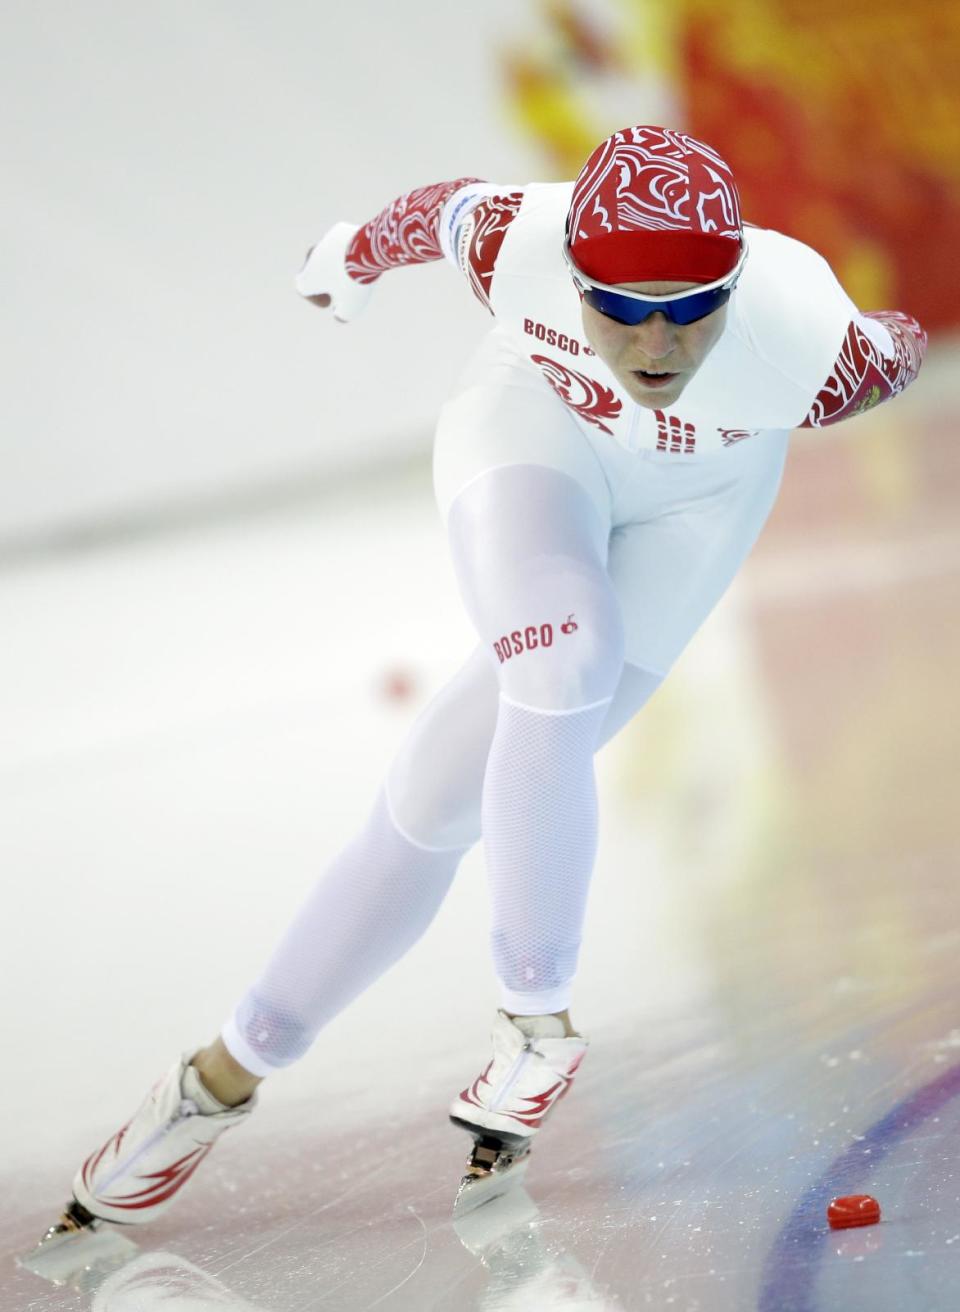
476, 1190
81, 1258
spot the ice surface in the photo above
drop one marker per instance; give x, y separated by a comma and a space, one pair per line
768, 976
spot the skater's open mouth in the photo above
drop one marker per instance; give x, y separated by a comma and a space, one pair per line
651, 379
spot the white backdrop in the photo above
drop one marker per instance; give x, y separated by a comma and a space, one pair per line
166, 166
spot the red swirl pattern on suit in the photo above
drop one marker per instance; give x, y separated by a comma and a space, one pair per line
486, 228
406, 232
590, 399
863, 375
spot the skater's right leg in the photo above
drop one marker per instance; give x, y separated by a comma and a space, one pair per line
373, 901
221, 1073
381, 891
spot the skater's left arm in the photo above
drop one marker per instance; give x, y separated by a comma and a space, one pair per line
881, 354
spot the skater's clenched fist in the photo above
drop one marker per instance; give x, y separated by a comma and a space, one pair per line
324, 280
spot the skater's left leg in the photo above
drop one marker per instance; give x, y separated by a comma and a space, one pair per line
529, 548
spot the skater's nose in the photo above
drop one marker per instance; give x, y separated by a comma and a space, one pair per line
655, 337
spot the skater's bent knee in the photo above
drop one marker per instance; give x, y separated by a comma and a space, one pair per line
436, 815
581, 671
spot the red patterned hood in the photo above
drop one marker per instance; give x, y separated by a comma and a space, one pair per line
654, 204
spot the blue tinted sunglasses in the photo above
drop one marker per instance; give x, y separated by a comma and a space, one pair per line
632, 307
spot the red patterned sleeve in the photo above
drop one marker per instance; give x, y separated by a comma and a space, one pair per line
406, 232
479, 238
880, 356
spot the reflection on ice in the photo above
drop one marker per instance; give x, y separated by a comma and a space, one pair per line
526, 1271
526, 1265
165, 1281
121, 1279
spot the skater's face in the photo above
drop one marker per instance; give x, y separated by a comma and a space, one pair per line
655, 346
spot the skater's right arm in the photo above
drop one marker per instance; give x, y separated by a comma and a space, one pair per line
422, 225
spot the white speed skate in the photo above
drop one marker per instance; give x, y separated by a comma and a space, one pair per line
139, 1172
532, 1068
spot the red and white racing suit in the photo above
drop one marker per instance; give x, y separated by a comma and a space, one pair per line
591, 537
795, 352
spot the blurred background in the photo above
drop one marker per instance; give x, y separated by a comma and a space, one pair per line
167, 167
224, 589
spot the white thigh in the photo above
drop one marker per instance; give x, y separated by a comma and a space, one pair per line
505, 415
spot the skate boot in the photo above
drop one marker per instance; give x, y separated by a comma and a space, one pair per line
138, 1173
532, 1068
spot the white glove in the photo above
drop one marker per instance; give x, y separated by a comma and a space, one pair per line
324, 273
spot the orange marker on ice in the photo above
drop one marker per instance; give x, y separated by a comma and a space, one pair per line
853, 1209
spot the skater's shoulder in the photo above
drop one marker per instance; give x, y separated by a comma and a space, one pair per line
789, 307
534, 249
784, 278
496, 231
